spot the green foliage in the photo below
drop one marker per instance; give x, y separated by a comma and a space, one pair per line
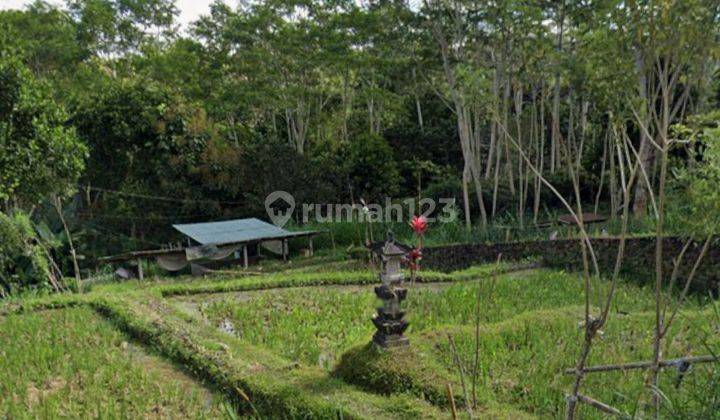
696, 200
333, 102
412, 370
24, 262
145, 141
336, 101
116, 26
44, 36
371, 168
522, 358
39, 154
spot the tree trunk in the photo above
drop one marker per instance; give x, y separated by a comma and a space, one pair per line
555, 136
646, 151
417, 102
466, 200
493, 126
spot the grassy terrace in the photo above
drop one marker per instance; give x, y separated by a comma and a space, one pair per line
317, 324
72, 363
529, 333
297, 346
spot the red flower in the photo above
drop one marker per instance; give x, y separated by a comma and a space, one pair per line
414, 255
412, 259
419, 224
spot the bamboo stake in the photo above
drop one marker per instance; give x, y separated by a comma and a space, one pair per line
456, 356
686, 289
76, 268
477, 347
476, 364
644, 364
453, 409
599, 405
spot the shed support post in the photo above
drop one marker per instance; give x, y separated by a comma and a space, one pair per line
310, 245
245, 257
140, 269
284, 249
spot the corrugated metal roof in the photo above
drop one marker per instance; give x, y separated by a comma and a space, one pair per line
234, 231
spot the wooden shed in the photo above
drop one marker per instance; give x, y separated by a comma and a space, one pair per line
212, 241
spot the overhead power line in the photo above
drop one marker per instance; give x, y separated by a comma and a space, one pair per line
158, 197
111, 216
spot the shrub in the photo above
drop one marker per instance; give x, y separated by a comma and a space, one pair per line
23, 262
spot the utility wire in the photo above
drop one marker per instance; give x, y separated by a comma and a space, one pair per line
103, 215
126, 237
158, 197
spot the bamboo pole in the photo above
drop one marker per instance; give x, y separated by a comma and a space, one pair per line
599, 405
645, 364
456, 356
453, 409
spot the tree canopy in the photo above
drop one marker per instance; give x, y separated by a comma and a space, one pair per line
337, 101
40, 154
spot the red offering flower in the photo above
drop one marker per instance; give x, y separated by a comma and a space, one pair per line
412, 259
419, 224
415, 254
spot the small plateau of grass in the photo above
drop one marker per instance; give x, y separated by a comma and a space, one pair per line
72, 363
315, 325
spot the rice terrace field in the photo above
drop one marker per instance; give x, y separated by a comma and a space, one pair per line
360, 209
73, 363
295, 342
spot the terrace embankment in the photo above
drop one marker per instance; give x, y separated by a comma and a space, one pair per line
638, 262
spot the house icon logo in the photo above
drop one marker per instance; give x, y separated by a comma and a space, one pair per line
279, 206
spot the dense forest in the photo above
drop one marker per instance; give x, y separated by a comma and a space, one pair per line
116, 122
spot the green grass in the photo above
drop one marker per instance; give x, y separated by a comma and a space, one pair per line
521, 362
522, 359
529, 334
352, 274
316, 325
284, 280
300, 350
260, 382
72, 363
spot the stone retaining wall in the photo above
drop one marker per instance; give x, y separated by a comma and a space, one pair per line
639, 262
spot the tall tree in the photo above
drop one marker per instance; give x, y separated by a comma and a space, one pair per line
40, 154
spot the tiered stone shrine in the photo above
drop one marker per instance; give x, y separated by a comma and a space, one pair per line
389, 318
